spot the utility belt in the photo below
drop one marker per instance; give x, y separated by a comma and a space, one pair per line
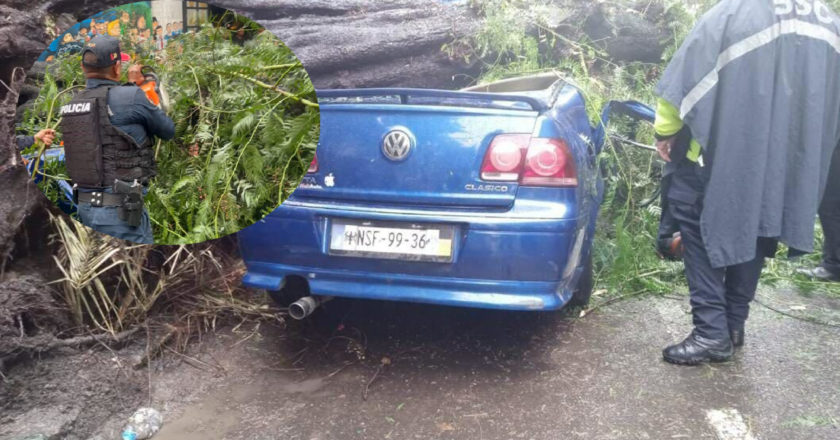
126, 196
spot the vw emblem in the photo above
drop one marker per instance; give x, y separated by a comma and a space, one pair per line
396, 145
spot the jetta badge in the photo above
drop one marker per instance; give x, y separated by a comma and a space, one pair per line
396, 145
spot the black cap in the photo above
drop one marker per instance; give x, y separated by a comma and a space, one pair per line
106, 49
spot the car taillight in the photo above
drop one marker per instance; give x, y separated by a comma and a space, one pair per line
549, 163
313, 167
531, 161
503, 160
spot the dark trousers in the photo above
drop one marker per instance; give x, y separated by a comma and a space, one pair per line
720, 297
667, 224
106, 219
830, 217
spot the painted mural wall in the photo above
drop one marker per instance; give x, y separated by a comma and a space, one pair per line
146, 26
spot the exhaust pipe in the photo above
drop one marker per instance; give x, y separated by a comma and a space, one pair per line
305, 306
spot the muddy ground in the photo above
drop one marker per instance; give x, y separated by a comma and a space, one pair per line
448, 373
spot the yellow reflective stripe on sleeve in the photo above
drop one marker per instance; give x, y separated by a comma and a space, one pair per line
667, 122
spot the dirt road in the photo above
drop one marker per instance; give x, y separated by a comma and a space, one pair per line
442, 373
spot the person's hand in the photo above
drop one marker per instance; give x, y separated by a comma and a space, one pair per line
47, 136
193, 151
135, 74
664, 148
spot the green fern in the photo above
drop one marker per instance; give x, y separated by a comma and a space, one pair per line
250, 109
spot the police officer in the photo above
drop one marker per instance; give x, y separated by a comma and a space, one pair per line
108, 132
720, 296
754, 84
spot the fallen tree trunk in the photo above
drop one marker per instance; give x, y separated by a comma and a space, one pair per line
372, 43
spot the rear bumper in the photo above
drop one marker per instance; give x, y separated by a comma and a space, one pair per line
502, 261
507, 295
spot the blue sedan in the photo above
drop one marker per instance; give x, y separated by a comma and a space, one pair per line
485, 197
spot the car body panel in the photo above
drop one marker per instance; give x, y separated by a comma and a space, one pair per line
445, 158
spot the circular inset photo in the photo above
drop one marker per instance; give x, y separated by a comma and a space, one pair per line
168, 122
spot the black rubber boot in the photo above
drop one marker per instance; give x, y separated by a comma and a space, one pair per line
819, 273
696, 350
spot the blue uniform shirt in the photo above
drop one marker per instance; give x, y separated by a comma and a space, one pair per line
23, 142
132, 112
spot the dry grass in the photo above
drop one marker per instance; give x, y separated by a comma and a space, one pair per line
112, 286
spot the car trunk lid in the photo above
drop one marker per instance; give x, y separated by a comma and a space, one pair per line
422, 147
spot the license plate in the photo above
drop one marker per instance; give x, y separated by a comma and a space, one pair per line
392, 240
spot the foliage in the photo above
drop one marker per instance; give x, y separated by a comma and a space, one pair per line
248, 108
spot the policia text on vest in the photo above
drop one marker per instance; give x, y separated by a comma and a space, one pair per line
108, 132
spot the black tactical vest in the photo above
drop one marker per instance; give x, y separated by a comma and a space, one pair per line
96, 152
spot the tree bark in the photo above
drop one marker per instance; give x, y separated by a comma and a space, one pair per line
21, 197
